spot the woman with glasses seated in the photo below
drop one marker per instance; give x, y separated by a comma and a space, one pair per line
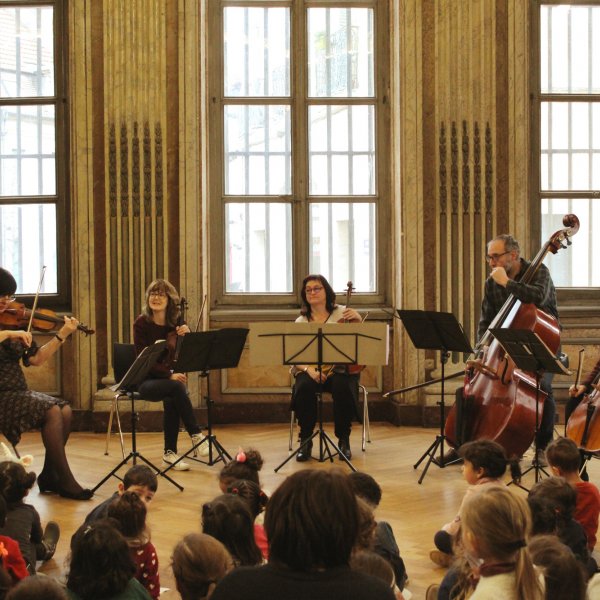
22, 409
318, 306
159, 321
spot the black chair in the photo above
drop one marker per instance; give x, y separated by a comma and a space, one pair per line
123, 357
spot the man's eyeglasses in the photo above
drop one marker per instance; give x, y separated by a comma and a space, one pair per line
313, 290
495, 257
158, 294
8, 297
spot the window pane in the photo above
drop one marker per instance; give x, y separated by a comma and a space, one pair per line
27, 150
340, 52
343, 244
258, 248
342, 150
27, 242
570, 49
257, 150
570, 145
574, 266
26, 52
257, 51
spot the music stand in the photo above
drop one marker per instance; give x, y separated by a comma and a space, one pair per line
136, 374
202, 351
429, 330
529, 353
319, 344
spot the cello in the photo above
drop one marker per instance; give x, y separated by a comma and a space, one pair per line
583, 426
499, 400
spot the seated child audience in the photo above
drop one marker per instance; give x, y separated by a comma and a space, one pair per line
37, 587
563, 574
139, 479
257, 500
199, 562
495, 526
228, 519
552, 503
129, 513
312, 523
101, 566
366, 529
483, 467
564, 460
245, 465
23, 522
384, 543
10, 553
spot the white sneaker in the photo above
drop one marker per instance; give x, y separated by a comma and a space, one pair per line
169, 457
202, 450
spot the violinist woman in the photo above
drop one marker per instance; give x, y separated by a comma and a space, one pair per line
159, 321
22, 409
318, 306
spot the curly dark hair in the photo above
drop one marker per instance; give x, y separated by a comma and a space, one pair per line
15, 482
247, 468
563, 453
101, 565
129, 513
487, 455
251, 493
330, 304
162, 285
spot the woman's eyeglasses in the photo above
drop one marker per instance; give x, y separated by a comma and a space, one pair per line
313, 290
157, 294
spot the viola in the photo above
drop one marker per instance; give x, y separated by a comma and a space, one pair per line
498, 400
174, 341
17, 316
352, 369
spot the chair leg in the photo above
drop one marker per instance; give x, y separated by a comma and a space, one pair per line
114, 411
366, 429
292, 421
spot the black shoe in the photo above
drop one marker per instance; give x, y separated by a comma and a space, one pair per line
83, 494
305, 453
344, 446
50, 539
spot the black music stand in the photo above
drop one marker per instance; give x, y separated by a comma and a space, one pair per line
340, 347
429, 330
202, 351
136, 374
530, 354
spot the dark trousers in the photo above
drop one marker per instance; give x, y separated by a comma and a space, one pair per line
548, 415
343, 388
176, 405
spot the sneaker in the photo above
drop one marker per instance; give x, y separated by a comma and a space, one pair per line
540, 458
50, 539
202, 450
169, 457
441, 558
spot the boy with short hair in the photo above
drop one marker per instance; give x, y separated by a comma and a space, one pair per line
564, 460
139, 479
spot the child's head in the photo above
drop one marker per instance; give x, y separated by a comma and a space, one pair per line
37, 586
101, 565
552, 502
129, 514
142, 480
483, 458
495, 525
15, 482
370, 563
251, 493
365, 487
246, 465
563, 456
199, 562
228, 518
367, 525
565, 577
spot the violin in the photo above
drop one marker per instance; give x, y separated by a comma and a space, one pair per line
17, 316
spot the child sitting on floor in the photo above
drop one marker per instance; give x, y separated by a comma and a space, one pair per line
484, 465
245, 465
564, 460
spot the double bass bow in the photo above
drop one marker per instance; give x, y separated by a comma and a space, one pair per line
499, 400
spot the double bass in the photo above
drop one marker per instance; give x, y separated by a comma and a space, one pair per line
498, 400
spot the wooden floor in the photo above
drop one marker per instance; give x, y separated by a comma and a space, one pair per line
415, 511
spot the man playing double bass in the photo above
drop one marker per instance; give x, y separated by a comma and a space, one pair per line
507, 268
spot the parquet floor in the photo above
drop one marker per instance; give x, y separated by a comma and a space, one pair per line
414, 511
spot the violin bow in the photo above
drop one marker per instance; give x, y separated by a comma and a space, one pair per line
201, 312
35, 300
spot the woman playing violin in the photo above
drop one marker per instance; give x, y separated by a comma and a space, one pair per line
318, 306
22, 409
159, 321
